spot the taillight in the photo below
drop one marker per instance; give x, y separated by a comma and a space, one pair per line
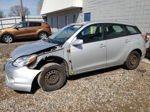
145, 37
47, 27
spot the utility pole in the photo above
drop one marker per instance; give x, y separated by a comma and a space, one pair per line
22, 14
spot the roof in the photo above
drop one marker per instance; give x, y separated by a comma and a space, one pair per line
114, 22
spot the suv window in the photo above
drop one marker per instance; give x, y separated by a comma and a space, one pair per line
34, 24
91, 33
133, 30
22, 25
114, 31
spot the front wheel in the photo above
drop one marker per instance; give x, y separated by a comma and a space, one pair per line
133, 60
52, 77
7, 38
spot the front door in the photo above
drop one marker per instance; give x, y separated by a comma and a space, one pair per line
91, 55
21, 30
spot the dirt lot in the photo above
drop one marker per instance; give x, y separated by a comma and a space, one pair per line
109, 90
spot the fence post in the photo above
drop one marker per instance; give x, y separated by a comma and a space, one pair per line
15, 21
1, 24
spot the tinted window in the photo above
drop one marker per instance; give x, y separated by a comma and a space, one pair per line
132, 30
114, 31
34, 24
22, 25
91, 34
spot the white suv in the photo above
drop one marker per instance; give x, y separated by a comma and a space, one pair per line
76, 49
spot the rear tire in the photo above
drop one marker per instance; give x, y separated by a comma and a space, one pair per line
42, 35
7, 38
52, 77
133, 60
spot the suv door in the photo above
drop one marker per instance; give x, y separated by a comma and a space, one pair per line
21, 30
116, 40
91, 55
34, 27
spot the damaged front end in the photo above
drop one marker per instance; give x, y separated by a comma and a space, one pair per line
21, 69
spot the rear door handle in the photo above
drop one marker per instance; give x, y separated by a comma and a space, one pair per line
127, 41
102, 46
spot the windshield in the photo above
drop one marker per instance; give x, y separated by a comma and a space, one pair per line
62, 36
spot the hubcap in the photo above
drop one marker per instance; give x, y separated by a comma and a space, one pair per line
52, 77
8, 39
43, 36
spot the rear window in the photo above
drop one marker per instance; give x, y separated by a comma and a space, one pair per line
34, 24
133, 30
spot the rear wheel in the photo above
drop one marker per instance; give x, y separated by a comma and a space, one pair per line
52, 77
133, 60
7, 38
43, 35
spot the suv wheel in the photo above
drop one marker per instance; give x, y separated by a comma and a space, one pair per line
52, 77
132, 61
42, 35
7, 38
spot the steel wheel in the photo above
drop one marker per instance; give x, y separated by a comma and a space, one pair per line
133, 60
52, 77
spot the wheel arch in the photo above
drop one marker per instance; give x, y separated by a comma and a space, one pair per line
136, 49
48, 60
38, 32
7, 33
53, 59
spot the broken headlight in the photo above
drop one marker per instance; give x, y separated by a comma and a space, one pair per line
25, 60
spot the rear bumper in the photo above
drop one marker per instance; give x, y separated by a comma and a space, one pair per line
19, 78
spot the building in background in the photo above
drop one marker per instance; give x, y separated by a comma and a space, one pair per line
63, 12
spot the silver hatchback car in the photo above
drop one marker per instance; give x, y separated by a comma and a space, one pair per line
76, 49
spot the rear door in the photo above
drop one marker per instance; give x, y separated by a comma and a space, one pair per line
33, 28
116, 41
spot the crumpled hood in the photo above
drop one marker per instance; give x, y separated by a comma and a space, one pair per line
31, 48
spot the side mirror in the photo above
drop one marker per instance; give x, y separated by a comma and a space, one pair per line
78, 42
16, 28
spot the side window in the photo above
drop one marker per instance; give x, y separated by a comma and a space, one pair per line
22, 25
34, 24
132, 30
91, 33
114, 31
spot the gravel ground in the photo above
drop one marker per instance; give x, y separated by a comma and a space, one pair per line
108, 90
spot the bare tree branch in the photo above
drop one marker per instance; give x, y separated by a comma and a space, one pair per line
15, 11
40, 3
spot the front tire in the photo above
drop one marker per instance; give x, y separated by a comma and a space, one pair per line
133, 60
52, 77
7, 38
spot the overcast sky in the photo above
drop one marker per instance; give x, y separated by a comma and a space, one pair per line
32, 5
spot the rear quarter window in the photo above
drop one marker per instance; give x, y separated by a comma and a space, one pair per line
34, 24
114, 31
133, 30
